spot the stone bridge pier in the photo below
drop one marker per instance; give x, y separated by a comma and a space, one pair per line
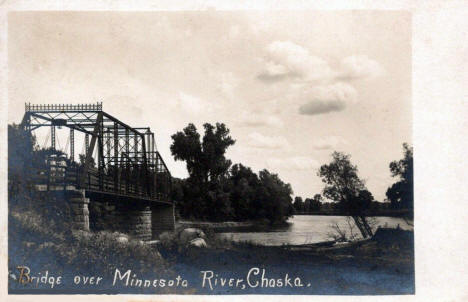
143, 219
79, 210
162, 219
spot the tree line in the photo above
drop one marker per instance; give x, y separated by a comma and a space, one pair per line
216, 190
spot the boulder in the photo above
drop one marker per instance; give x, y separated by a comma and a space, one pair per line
28, 244
189, 234
81, 235
46, 245
122, 239
198, 242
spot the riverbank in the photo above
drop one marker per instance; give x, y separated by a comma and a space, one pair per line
375, 266
382, 265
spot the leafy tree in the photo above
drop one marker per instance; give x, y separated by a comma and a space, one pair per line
207, 168
316, 203
205, 159
340, 177
298, 204
345, 187
244, 183
216, 191
318, 198
20, 149
401, 193
275, 196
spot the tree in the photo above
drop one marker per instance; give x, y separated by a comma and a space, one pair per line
204, 192
401, 193
20, 150
275, 197
216, 191
298, 204
316, 203
345, 187
244, 183
205, 159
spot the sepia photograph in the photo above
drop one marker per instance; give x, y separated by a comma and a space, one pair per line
210, 152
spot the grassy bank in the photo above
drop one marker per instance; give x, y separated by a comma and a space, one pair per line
372, 267
368, 267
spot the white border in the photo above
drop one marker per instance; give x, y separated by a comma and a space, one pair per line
440, 114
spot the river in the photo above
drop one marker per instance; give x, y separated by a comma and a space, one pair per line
302, 229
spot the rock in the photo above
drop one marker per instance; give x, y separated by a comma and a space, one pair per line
198, 242
189, 234
122, 239
152, 242
166, 237
46, 245
28, 244
80, 234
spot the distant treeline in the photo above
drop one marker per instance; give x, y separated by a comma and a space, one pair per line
314, 207
386, 213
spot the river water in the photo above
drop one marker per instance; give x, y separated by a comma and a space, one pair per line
303, 229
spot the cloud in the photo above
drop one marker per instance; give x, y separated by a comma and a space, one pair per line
249, 119
193, 105
293, 163
257, 140
228, 82
190, 103
285, 59
358, 67
329, 142
328, 98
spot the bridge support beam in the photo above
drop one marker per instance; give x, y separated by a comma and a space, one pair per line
162, 219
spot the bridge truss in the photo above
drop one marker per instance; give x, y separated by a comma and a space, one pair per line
126, 161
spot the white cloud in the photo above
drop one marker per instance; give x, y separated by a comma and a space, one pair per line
293, 163
194, 105
249, 119
257, 140
328, 98
329, 142
285, 59
359, 66
228, 83
190, 103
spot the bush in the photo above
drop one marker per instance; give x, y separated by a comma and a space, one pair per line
80, 251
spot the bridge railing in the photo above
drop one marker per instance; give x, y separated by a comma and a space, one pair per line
127, 182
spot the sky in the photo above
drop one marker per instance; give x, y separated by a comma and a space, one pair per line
292, 86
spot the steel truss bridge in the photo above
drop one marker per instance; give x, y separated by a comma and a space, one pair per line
126, 162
